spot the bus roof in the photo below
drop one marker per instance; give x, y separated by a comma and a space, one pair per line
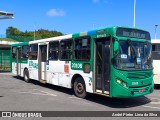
69, 36
108, 30
20, 43
155, 41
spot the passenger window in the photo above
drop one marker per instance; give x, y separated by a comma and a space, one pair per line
153, 47
19, 52
53, 50
25, 50
155, 51
82, 49
66, 50
14, 50
33, 52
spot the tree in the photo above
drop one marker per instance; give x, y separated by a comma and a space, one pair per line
18, 35
12, 31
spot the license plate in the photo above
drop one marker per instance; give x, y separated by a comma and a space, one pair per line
142, 90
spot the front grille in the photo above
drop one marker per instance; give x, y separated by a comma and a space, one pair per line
139, 75
139, 86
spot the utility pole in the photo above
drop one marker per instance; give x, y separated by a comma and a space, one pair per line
134, 21
156, 32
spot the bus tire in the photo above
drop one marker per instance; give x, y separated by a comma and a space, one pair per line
79, 88
26, 76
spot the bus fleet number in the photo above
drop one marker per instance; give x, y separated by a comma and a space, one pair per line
77, 65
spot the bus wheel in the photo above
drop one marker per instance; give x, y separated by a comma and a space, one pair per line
26, 76
79, 88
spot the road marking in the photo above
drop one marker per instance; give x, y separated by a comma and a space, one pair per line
75, 98
23, 92
34, 93
154, 100
44, 93
35, 89
152, 107
48, 93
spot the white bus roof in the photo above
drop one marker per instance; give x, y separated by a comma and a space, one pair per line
52, 39
155, 40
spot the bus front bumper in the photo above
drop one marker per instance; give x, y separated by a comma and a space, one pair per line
121, 92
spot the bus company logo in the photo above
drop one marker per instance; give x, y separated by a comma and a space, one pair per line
6, 114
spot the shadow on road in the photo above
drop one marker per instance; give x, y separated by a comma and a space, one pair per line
119, 102
50, 86
110, 102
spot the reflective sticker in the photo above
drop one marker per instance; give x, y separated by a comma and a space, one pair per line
138, 60
124, 56
143, 66
66, 68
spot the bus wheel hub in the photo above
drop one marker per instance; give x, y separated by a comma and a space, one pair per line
80, 88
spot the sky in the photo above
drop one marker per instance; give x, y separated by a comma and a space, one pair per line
71, 16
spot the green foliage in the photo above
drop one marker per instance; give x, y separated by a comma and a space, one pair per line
12, 31
7, 39
42, 33
16, 34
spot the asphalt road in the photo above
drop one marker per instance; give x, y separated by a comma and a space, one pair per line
16, 95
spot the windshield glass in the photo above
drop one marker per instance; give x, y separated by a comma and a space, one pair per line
133, 55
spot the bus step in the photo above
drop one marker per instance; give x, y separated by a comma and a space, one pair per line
107, 95
43, 81
99, 92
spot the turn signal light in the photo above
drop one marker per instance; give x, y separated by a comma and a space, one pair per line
86, 68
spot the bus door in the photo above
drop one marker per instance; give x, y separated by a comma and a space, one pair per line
42, 62
18, 62
102, 65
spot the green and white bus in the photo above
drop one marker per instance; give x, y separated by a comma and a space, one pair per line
113, 61
156, 60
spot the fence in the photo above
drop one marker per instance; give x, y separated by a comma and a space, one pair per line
5, 58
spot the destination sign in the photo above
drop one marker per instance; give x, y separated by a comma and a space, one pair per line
132, 33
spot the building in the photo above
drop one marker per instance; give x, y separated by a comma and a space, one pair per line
5, 45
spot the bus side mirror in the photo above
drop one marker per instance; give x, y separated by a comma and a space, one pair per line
116, 48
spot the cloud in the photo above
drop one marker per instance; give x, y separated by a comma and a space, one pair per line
56, 12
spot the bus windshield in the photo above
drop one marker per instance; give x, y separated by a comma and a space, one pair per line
133, 55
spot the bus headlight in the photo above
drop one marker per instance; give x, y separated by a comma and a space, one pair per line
124, 84
121, 83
